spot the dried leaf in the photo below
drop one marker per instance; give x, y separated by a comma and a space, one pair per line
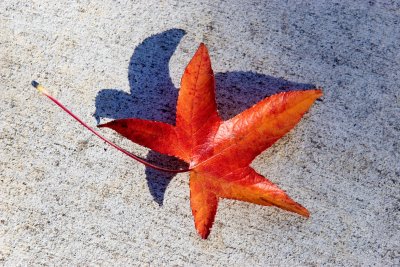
219, 152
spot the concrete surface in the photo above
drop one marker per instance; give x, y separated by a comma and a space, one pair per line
66, 198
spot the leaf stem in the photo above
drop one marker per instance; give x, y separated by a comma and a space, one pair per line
42, 90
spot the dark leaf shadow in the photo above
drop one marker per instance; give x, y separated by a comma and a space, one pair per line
153, 96
237, 91
158, 181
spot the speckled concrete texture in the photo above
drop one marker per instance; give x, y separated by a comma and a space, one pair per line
66, 198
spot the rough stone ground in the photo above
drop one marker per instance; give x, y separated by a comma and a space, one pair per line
66, 198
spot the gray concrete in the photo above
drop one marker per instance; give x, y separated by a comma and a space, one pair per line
66, 198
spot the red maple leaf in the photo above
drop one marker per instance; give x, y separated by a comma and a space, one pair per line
218, 152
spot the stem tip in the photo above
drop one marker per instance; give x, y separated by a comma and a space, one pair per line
35, 84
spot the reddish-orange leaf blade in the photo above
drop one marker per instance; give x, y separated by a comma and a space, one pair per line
196, 115
218, 152
203, 203
247, 185
240, 139
158, 136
